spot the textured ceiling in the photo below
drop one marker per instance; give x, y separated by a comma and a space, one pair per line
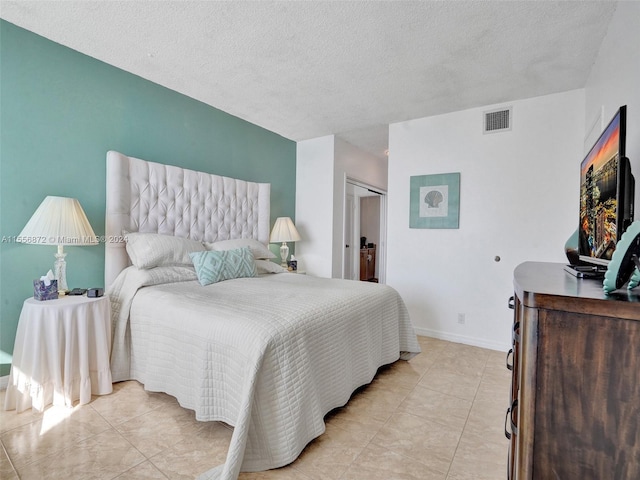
311, 68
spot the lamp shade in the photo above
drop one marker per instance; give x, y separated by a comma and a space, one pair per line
58, 221
284, 231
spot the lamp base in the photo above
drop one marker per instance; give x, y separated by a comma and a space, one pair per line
60, 270
284, 254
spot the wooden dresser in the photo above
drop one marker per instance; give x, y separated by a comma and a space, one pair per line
575, 406
368, 264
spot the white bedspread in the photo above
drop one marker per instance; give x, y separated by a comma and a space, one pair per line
270, 355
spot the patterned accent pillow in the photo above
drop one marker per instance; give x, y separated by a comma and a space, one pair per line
212, 267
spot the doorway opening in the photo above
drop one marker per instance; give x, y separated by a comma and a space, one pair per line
365, 232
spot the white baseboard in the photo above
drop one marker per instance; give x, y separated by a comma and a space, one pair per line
4, 381
455, 338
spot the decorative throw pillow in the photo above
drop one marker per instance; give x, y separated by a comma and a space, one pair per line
267, 266
213, 267
148, 250
259, 249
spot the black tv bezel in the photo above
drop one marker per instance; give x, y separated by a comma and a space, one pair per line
624, 187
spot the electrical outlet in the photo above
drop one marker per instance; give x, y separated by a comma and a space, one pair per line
461, 318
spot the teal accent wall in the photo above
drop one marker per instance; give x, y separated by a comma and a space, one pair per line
61, 111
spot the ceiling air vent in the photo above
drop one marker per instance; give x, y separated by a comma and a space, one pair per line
498, 120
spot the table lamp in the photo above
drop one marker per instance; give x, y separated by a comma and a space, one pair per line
284, 231
59, 221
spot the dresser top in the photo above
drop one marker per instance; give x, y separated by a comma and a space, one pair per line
548, 286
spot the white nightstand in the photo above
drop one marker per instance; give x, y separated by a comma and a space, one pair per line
61, 353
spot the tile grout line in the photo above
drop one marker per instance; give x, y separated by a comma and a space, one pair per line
342, 477
117, 432
475, 396
15, 470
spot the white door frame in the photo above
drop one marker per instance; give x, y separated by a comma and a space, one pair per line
348, 266
355, 240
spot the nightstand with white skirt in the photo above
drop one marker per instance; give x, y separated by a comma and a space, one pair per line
61, 353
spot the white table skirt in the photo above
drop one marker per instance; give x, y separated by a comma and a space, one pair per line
61, 353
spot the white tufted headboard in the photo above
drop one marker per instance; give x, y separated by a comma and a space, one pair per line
154, 198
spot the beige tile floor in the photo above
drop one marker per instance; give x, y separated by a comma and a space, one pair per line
437, 417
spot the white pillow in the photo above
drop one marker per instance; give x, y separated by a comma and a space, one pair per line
267, 266
259, 249
148, 250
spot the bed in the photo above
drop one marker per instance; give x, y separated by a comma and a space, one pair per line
266, 351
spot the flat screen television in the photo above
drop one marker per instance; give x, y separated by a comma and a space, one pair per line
607, 190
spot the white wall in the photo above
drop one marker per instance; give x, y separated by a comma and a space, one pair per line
314, 208
518, 201
322, 166
360, 165
615, 81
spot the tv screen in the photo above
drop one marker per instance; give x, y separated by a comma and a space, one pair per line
606, 193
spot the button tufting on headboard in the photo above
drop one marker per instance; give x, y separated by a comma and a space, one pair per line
155, 198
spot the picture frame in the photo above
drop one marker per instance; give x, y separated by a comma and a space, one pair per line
435, 201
